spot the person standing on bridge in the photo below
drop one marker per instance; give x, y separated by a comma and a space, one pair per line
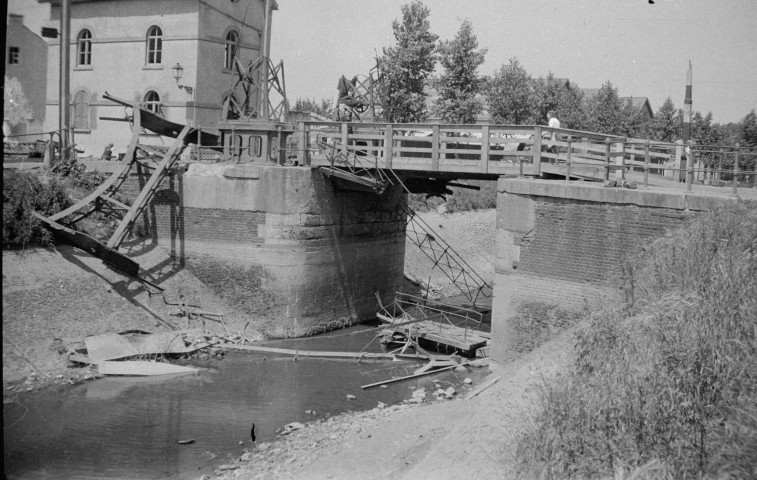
553, 122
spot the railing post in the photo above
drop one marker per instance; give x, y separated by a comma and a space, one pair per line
537, 152
607, 158
301, 144
435, 148
647, 160
689, 166
389, 145
620, 151
570, 157
720, 163
735, 192
233, 145
678, 163
485, 149
345, 135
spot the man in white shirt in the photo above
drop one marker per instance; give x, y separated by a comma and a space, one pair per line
553, 122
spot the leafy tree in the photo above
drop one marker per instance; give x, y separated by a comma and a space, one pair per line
324, 107
16, 109
572, 108
666, 124
509, 94
564, 98
459, 83
610, 114
749, 130
408, 64
546, 97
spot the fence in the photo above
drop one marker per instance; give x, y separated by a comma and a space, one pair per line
486, 150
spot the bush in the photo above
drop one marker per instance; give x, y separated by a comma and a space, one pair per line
464, 199
670, 391
23, 194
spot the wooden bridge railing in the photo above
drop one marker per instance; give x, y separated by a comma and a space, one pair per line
490, 150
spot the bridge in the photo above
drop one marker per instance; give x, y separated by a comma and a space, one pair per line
261, 197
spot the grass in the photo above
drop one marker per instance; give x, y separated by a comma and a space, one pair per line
664, 386
461, 200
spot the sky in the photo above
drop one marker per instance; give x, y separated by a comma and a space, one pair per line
643, 49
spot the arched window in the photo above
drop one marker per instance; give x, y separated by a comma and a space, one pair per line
84, 48
81, 110
232, 43
154, 45
152, 102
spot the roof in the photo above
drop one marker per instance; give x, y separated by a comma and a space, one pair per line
637, 102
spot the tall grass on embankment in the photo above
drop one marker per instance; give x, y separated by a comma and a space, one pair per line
666, 385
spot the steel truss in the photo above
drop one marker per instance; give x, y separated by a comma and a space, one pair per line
372, 170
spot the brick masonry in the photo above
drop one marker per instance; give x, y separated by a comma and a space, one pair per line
564, 243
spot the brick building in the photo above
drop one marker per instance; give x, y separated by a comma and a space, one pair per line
26, 60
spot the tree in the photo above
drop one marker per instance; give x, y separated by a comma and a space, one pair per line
546, 97
572, 108
16, 110
749, 130
324, 108
561, 96
459, 83
666, 124
408, 64
509, 94
609, 114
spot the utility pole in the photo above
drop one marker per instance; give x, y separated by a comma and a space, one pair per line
64, 84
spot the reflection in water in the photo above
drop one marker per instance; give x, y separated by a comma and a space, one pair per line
130, 427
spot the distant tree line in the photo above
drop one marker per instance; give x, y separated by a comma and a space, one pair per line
511, 95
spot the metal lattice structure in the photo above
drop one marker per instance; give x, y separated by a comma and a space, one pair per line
362, 169
259, 92
362, 98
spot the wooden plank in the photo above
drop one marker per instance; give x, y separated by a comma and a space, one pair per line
485, 149
309, 353
435, 149
399, 379
141, 368
145, 195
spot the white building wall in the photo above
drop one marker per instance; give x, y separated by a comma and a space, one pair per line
193, 35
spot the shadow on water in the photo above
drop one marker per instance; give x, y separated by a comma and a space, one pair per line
129, 427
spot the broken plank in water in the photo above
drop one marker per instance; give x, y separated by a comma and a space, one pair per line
310, 353
408, 377
140, 368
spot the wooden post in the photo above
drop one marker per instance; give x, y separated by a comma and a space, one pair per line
689, 165
568, 161
537, 152
302, 144
620, 151
607, 158
720, 163
647, 159
735, 192
678, 164
389, 145
345, 135
199, 143
435, 148
282, 154
233, 143
485, 149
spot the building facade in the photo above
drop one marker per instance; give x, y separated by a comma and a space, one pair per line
26, 60
129, 48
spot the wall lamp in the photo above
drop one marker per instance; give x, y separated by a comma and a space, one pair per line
178, 72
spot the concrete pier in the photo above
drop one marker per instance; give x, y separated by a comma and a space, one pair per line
317, 254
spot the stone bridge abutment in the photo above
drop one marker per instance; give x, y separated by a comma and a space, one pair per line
563, 243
